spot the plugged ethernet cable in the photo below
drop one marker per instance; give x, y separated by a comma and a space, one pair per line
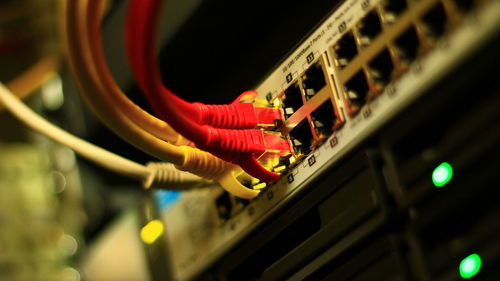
155, 126
158, 175
184, 157
240, 114
242, 147
89, 83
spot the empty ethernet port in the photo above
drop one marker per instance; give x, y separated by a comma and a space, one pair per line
356, 90
435, 21
241, 202
464, 5
345, 50
224, 206
369, 27
302, 138
407, 45
393, 8
292, 101
381, 68
324, 119
313, 80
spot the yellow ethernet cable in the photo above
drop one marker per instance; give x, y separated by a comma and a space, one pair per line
155, 126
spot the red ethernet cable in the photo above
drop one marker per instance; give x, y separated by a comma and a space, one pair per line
242, 146
237, 115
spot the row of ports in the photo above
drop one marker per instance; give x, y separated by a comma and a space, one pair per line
371, 78
227, 205
311, 82
396, 48
317, 118
384, 15
312, 127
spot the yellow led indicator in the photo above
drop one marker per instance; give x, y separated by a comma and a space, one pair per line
260, 186
279, 168
292, 159
277, 102
152, 231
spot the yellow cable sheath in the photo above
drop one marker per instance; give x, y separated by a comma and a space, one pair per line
79, 59
189, 158
155, 126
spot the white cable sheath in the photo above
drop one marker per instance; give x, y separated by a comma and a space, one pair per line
93, 153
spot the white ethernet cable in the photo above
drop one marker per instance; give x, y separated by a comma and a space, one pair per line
160, 175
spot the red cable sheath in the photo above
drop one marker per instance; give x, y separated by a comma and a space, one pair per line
241, 147
141, 34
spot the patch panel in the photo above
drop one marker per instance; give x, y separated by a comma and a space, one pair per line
354, 74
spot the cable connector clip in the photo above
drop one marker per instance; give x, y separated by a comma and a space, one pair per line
240, 114
244, 147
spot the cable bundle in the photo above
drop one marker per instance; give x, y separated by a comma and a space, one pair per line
147, 132
229, 133
222, 130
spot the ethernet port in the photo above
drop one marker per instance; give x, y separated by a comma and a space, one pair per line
435, 21
292, 101
464, 5
313, 80
381, 68
302, 138
324, 119
356, 90
224, 206
369, 27
407, 45
242, 203
345, 50
394, 7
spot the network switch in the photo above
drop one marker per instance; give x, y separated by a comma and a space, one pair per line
357, 161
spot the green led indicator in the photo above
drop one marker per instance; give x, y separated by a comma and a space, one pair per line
442, 174
470, 266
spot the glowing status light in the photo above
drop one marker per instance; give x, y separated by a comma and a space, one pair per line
470, 266
260, 186
279, 168
277, 102
152, 231
442, 174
